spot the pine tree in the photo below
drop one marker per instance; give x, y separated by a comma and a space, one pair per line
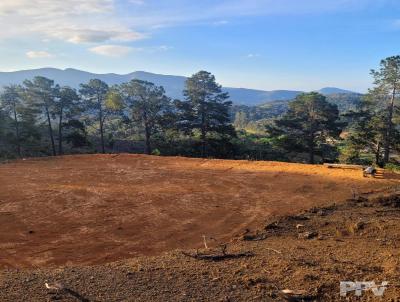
66, 107
95, 94
309, 122
148, 103
368, 127
41, 93
387, 81
11, 104
206, 109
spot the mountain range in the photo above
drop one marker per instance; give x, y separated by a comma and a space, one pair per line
173, 85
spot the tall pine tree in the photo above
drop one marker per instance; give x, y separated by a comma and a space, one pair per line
95, 94
387, 81
66, 108
10, 100
41, 93
205, 110
308, 124
148, 104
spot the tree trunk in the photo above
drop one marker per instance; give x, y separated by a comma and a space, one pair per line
103, 150
312, 154
311, 142
203, 133
147, 141
378, 155
388, 139
60, 136
17, 131
147, 135
53, 146
311, 148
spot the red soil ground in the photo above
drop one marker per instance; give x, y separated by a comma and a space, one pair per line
94, 209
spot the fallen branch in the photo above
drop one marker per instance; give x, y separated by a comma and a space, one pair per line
76, 295
59, 289
276, 251
255, 237
217, 257
300, 295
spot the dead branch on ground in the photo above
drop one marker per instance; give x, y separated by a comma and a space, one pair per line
218, 254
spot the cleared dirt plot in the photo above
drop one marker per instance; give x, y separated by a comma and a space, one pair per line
355, 240
95, 209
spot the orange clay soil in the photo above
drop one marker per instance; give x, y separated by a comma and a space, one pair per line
94, 209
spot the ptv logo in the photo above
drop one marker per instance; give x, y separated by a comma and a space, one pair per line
359, 287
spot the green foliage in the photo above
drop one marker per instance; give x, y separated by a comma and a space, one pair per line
345, 101
260, 116
11, 107
257, 147
114, 101
372, 128
308, 126
95, 95
387, 77
385, 92
68, 107
5, 121
365, 135
41, 94
156, 152
393, 167
205, 113
148, 106
137, 116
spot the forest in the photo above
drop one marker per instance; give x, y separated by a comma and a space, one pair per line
42, 118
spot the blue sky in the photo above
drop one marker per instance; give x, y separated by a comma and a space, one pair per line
264, 44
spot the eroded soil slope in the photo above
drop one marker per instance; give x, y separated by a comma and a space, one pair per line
94, 209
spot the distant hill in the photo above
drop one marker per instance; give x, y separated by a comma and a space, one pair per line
334, 90
260, 115
172, 84
74, 77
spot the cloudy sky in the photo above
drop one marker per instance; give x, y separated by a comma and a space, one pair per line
265, 44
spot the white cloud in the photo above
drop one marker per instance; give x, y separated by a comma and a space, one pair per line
56, 7
110, 21
78, 36
253, 55
220, 22
137, 2
38, 54
75, 21
111, 50
165, 47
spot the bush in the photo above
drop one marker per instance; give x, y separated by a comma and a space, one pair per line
156, 152
393, 167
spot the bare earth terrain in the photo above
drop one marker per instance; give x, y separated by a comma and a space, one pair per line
90, 222
101, 208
